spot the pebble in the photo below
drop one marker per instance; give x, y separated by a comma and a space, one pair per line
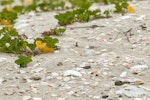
61, 99
90, 52
123, 74
72, 73
36, 78
118, 83
96, 97
26, 98
38, 70
142, 17
20, 26
3, 59
105, 96
21, 92
139, 68
66, 79
36, 98
54, 95
85, 65
9, 92
1, 80
44, 83
36, 65
34, 88
54, 74
132, 91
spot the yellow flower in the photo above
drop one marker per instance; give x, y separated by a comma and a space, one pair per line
46, 50
40, 45
28, 2
8, 8
9, 27
4, 22
131, 9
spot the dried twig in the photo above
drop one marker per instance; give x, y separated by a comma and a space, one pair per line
126, 34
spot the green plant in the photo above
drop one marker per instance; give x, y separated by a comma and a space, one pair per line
59, 31
55, 31
78, 15
120, 6
22, 61
10, 16
12, 42
6, 2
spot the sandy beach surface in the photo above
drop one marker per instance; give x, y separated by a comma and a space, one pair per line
97, 60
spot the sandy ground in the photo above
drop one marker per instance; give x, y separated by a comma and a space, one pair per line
103, 56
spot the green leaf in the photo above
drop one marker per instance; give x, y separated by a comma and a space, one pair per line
51, 42
6, 2
22, 61
18, 9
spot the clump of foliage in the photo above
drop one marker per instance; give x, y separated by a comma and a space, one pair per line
8, 15
55, 31
22, 61
12, 42
81, 12
78, 15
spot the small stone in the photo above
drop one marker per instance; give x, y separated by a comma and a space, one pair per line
37, 70
54, 95
96, 97
138, 98
21, 92
61, 99
37, 98
72, 73
44, 83
1, 80
36, 78
54, 74
59, 78
118, 83
138, 68
105, 73
87, 67
105, 96
9, 92
36, 65
123, 74
59, 64
66, 79
90, 52
132, 91
26, 98
3, 59
96, 73
34, 88
141, 18
91, 61
94, 84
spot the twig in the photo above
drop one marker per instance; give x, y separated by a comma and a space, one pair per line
126, 35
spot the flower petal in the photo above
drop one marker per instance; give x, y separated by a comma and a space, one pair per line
131, 9
46, 50
40, 45
4, 22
